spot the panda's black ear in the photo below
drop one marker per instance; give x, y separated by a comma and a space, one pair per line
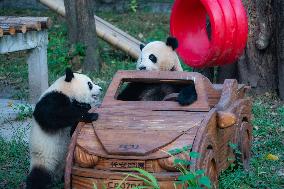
141, 46
172, 42
68, 74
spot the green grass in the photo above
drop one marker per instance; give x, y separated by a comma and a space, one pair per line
13, 163
268, 118
268, 138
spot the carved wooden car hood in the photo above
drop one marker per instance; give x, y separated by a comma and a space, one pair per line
140, 132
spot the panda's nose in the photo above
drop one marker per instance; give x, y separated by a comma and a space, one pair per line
142, 68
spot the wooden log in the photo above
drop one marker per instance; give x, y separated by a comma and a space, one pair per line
1, 32
8, 30
43, 22
29, 26
13, 28
12, 25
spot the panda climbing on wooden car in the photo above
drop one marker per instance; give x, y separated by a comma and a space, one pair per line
58, 111
158, 56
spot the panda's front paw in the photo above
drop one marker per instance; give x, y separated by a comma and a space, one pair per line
187, 95
89, 117
82, 106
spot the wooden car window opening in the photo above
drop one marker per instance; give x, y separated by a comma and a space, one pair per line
178, 85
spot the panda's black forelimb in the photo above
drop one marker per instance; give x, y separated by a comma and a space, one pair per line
86, 117
55, 111
38, 178
89, 117
187, 95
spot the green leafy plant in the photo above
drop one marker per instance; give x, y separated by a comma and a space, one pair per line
24, 111
235, 162
133, 5
79, 49
189, 179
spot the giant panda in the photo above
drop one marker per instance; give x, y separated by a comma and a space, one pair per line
61, 107
158, 56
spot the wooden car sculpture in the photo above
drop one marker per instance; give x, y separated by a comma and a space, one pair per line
132, 134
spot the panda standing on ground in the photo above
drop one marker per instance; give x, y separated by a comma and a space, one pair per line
158, 56
61, 107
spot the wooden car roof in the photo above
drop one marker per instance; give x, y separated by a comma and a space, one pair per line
208, 97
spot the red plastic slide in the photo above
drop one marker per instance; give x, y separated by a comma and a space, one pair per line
199, 48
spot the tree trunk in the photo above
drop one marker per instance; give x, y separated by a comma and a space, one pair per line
71, 20
258, 67
82, 30
279, 9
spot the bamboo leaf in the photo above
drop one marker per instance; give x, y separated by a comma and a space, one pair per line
194, 154
199, 172
182, 162
140, 187
123, 180
186, 177
148, 175
141, 179
175, 151
205, 181
186, 148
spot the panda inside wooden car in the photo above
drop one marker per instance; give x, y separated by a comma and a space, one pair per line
57, 113
158, 56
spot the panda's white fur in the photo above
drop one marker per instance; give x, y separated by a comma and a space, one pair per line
167, 58
48, 146
48, 150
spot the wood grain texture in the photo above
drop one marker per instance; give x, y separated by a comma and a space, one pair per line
146, 132
70, 156
84, 159
207, 95
88, 183
89, 141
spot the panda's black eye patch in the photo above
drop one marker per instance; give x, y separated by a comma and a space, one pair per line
153, 58
90, 85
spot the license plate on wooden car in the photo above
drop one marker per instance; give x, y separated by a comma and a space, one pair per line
120, 165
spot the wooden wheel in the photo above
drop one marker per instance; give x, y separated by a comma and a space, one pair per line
208, 161
210, 167
245, 144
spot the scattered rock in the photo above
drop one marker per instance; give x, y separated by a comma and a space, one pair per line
10, 127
